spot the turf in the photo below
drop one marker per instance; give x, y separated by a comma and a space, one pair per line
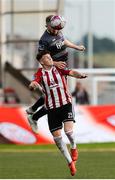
46, 162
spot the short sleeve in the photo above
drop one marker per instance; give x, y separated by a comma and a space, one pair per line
65, 71
42, 45
37, 76
62, 35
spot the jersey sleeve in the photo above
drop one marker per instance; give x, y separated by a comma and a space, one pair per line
62, 35
37, 76
42, 45
65, 71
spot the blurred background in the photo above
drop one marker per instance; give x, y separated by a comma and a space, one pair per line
89, 22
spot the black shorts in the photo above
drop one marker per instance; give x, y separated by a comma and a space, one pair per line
60, 115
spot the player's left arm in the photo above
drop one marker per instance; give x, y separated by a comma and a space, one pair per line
73, 73
74, 46
76, 74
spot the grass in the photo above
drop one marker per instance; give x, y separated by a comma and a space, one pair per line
96, 161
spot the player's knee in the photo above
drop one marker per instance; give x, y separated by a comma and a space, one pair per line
56, 133
68, 129
69, 132
68, 126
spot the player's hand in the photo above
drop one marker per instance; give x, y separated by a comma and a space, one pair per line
82, 76
33, 85
81, 48
60, 64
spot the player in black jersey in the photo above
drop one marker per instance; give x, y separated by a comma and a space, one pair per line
52, 40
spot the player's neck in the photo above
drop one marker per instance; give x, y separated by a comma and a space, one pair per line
52, 33
45, 67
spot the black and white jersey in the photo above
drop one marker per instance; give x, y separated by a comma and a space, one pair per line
55, 45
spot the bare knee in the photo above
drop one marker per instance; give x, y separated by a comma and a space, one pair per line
56, 133
68, 126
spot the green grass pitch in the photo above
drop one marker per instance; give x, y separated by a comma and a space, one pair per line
96, 161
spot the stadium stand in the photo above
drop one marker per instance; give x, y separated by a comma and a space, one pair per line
15, 79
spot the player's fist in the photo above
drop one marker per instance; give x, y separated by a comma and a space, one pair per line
33, 85
81, 48
83, 75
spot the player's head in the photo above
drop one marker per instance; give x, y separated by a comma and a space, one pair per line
45, 59
48, 25
54, 23
48, 20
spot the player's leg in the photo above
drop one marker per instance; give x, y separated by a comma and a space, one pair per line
68, 128
38, 114
61, 145
55, 126
36, 105
33, 118
64, 150
68, 119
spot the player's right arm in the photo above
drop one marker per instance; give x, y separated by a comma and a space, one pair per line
35, 83
42, 45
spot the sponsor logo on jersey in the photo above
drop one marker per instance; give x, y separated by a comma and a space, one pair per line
59, 44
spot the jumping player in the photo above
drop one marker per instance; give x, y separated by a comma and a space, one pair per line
58, 102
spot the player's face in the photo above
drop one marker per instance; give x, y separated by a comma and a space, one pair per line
53, 31
47, 60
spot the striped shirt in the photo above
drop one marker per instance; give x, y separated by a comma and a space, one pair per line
54, 85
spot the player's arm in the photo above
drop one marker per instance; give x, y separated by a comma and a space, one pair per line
73, 73
76, 74
60, 64
42, 45
35, 83
74, 46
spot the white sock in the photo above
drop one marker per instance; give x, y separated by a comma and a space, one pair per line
63, 148
71, 138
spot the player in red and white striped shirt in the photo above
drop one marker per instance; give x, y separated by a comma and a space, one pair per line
58, 102
54, 86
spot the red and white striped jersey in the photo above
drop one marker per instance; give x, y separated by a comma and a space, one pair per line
54, 85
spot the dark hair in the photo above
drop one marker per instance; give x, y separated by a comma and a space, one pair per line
40, 54
48, 19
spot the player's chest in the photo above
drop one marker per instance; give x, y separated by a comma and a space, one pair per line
52, 79
56, 43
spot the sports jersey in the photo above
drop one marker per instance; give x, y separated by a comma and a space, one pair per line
55, 45
54, 86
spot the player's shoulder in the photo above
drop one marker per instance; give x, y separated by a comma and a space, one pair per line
44, 40
57, 70
64, 71
39, 72
44, 36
